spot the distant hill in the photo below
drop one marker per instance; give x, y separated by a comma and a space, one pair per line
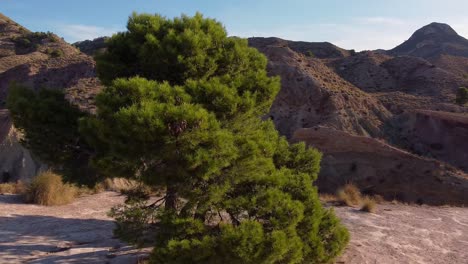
433, 40
91, 47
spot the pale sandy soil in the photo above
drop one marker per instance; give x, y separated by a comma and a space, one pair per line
82, 233
76, 233
406, 234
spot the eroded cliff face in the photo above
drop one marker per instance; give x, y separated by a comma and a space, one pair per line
16, 162
440, 135
379, 168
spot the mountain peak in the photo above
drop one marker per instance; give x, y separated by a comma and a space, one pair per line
436, 28
433, 40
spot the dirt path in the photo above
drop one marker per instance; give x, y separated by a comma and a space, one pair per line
82, 233
76, 233
406, 234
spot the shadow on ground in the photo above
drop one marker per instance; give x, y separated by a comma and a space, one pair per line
76, 233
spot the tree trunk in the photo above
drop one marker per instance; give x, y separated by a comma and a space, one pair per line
171, 198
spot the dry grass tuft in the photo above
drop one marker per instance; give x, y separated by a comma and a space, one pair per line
369, 205
48, 189
349, 195
117, 184
328, 198
12, 188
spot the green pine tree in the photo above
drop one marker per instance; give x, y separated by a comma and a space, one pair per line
462, 96
236, 191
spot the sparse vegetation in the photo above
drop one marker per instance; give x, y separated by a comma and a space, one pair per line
30, 41
310, 54
349, 195
55, 53
48, 189
12, 188
462, 96
369, 205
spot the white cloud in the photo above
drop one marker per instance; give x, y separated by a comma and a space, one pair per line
77, 32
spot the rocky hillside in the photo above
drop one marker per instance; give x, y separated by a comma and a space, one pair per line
313, 94
433, 40
37, 59
91, 47
385, 121
439, 44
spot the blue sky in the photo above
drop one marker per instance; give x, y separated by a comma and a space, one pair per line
358, 24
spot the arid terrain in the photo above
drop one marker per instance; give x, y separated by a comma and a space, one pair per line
77, 233
403, 98
385, 121
82, 233
399, 234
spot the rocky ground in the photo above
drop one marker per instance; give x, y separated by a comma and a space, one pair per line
76, 233
82, 233
399, 234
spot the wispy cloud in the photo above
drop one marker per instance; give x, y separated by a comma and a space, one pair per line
380, 21
77, 32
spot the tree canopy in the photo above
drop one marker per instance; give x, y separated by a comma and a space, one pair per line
182, 111
49, 125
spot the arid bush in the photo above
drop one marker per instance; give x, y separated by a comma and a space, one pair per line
369, 205
349, 195
12, 188
462, 96
54, 53
48, 189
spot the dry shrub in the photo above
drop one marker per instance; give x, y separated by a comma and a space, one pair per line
48, 189
369, 205
378, 199
12, 188
118, 184
349, 195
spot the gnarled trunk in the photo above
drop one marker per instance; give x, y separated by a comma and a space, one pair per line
171, 198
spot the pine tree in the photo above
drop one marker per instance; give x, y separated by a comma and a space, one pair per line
182, 111
462, 96
237, 192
